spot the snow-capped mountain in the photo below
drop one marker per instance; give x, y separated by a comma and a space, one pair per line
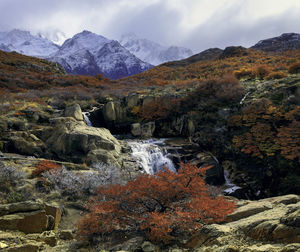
153, 52
26, 43
89, 53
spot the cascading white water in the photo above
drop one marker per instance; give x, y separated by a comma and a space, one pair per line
149, 155
86, 118
245, 96
230, 186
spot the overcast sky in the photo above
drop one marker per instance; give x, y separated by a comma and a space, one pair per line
196, 24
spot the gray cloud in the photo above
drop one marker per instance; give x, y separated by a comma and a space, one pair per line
225, 30
169, 22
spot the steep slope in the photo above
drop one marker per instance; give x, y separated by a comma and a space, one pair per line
88, 53
26, 43
153, 52
284, 42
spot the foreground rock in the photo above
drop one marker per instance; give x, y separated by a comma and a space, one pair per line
29, 217
270, 224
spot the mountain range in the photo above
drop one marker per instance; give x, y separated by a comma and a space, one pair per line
87, 53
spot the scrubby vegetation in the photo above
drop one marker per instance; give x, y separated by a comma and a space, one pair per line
10, 179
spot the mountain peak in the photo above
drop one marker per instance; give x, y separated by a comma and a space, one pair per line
26, 43
152, 52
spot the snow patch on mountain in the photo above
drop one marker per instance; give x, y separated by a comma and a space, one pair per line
152, 52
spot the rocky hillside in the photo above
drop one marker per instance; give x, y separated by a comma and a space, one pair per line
284, 42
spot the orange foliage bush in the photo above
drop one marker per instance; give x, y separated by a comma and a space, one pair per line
157, 206
262, 71
243, 73
294, 68
44, 166
159, 108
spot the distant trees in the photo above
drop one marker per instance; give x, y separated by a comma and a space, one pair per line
158, 206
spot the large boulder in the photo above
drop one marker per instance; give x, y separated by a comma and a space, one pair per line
75, 141
74, 111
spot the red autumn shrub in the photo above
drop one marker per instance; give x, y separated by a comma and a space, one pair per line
44, 166
158, 206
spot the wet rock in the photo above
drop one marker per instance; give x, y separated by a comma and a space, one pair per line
136, 129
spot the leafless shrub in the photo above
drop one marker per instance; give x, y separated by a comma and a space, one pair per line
78, 184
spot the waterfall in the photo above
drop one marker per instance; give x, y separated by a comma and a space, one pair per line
150, 155
245, 96
230, 186
86, 118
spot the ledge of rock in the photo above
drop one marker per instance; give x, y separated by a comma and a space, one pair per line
270, 224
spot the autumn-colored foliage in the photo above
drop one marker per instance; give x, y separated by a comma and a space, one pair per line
225, 90
44, 166
158, 206
294, 68
270, 130
158, 108
276, 75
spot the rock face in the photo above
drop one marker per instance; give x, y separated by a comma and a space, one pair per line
145, 130
271, 224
